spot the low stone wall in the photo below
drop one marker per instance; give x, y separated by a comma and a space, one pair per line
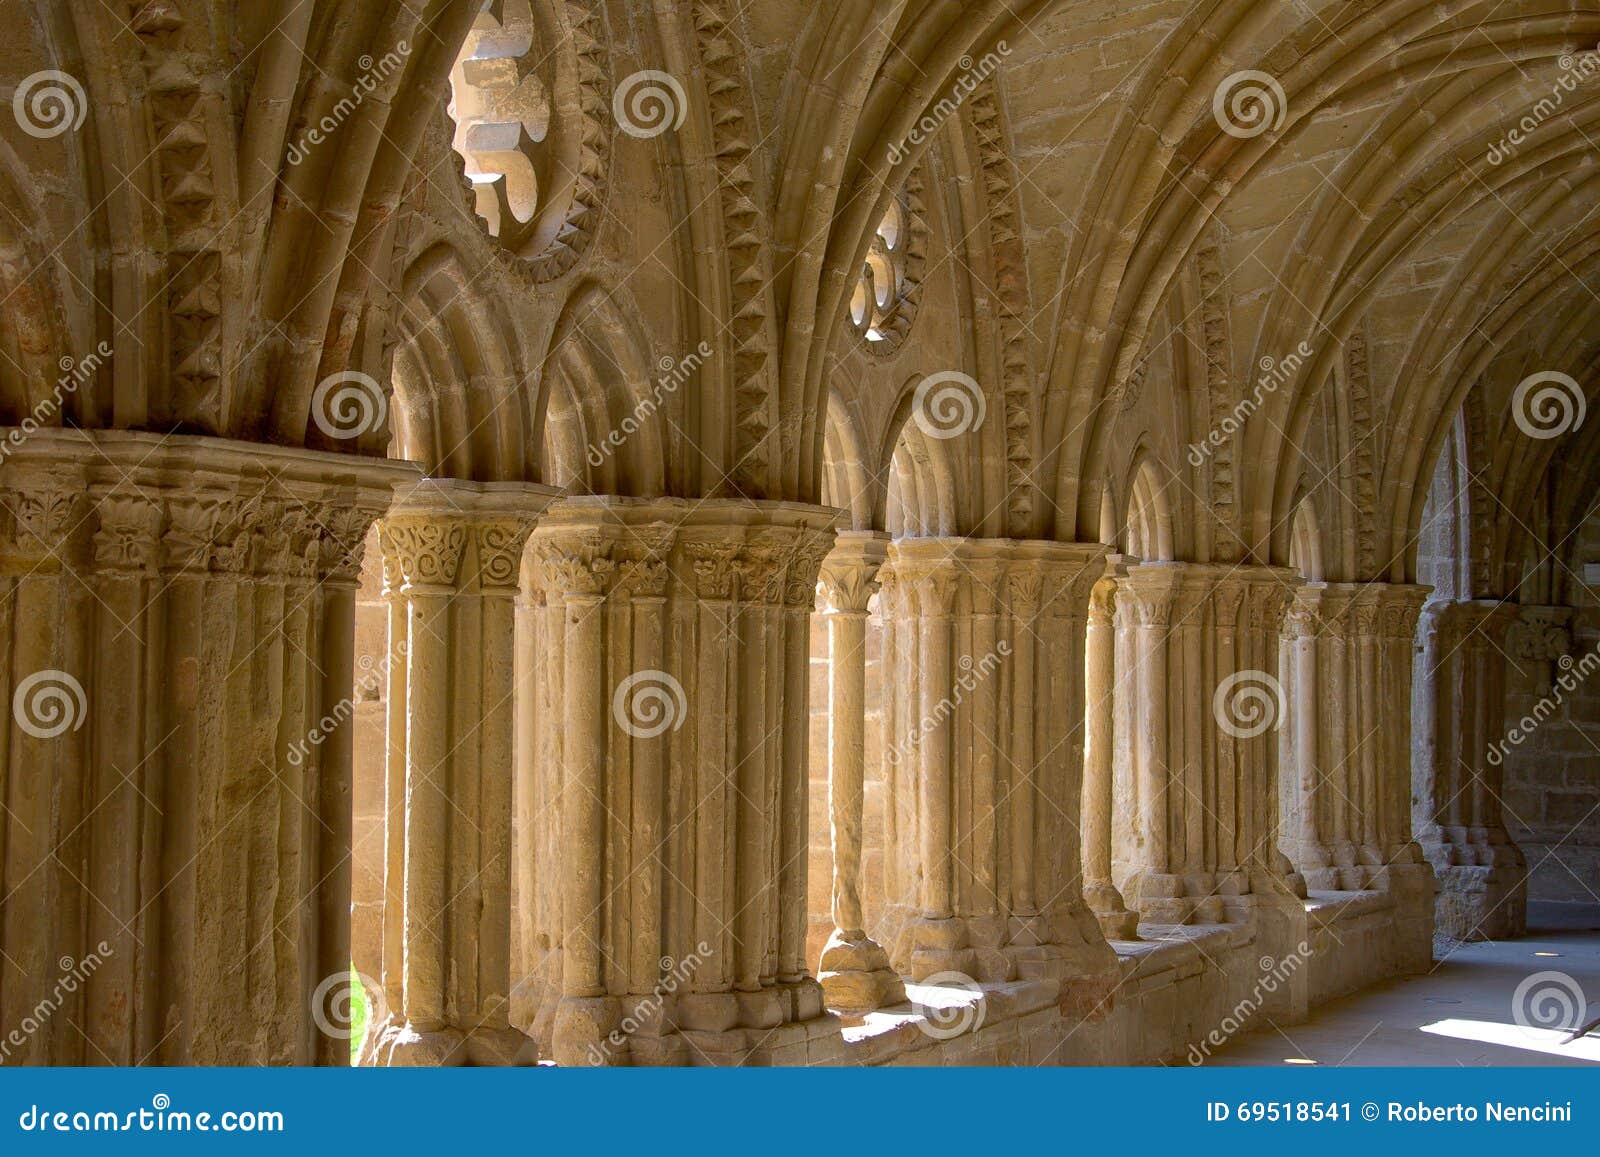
1181, 993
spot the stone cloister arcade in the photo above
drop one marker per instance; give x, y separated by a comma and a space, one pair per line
908, 531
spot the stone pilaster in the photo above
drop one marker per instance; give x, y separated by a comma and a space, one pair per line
984, 741
1100, 713
175, 763
854, 969
1456, 784
1199, 838
452, 555
669, 829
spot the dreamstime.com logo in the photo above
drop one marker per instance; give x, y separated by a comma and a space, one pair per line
74, 974
49, 103
674, 974
348, 404
1248, 703
972, 673
649, 103
1573, 673
1249, 103
333, 1004
1548, 404
948, 404
1575, 70
973, 74
49, 703
1549, 1002
74, 372
963, 1013
1274, 974
160, 1117
647, 703
674, 372
373, 73
1275, 372
341, 711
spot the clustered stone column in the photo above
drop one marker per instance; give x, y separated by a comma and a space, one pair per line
667, 835
452, 555
1346, 663
1102, 702
1346, 751
175, 761
1460, 678
984, 745
1198, 839
854, 969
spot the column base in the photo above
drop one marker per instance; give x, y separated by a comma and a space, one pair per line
806, 999
856, 977
973, 948
1161, 898
1067, 944
581, 1036
1168, 898
817, 1041
399, 1046
1482, 902
1116, 922
1482, 883
1337, 867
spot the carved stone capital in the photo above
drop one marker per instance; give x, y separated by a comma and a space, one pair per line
805, 566
712, 565
853, 570
41, 520
127, 532
1540, 634
426, 551
498, 543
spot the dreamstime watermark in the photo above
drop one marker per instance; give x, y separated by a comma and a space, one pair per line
74, 973
647, 703
950, 1018
373, 73
73, 375
333, 1004
49, 703
971, 675
1248, 703
160, 1117
674, 372
1276, 973
1575, 69
341, 711
1548, 404
948, 404
973, 73
1249, 103
49, 103
647, 1010
1275, 373
348, 404
1549, 1002
648, 103
1573, 673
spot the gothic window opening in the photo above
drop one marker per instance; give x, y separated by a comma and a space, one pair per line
884, 299
528, 102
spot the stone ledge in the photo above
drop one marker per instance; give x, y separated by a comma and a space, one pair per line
1325, 908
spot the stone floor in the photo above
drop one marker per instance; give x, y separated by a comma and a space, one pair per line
1461, 1013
